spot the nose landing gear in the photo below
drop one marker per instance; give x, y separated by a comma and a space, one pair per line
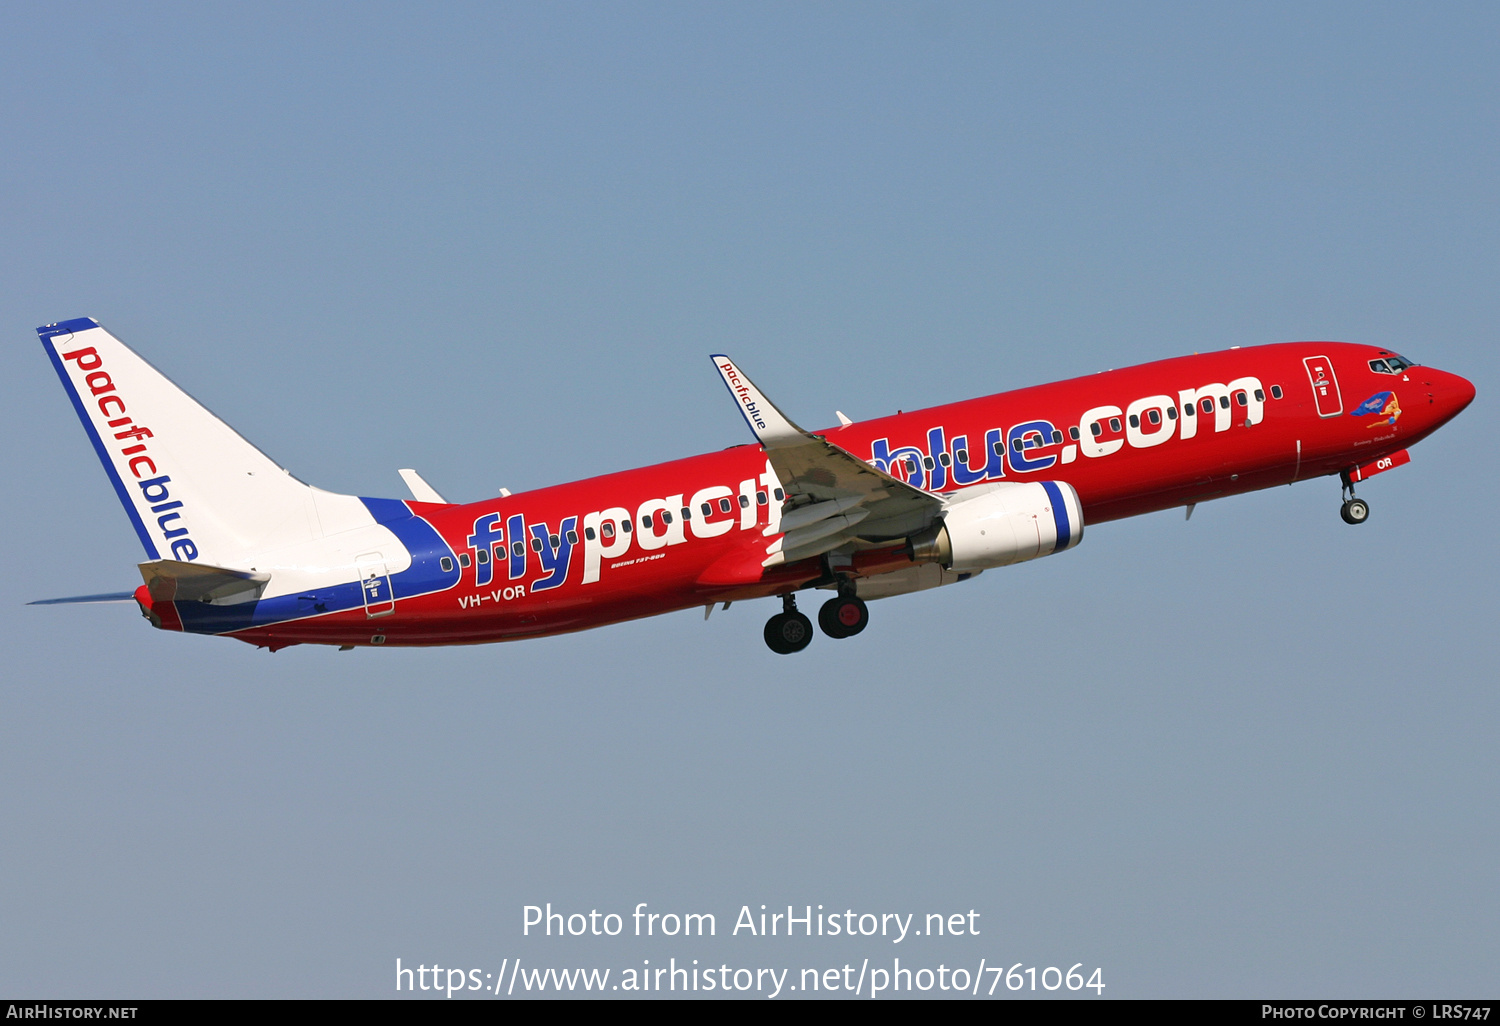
1354, 511
788, 631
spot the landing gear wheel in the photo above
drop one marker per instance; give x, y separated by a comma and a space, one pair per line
788, 632
1355, 511
843, 617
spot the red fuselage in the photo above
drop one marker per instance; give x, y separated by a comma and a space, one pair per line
1130, 441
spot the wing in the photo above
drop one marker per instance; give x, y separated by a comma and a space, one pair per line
833, 496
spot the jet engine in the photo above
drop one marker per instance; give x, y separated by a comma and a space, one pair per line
1002, 524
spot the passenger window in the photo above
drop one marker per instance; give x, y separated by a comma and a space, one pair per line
962, 455
687, 513
625, 527
911, 466
666, 518
555, 542
1135, 421
1260, 396
588, 533
607, 529
645, 521
463, 559
744, 502
1275, 391
517, 549
1073, 432
1190, 410
1154, 416
1171, 413
483, 555
1224, 401
760, 498
536, 544
708, 510
945, 459
447, 565
1015, 444
1095, 429
1240, 399
999, 448
725, 505
1114, 423
779, 494
1208, 405
572, 537
927, 462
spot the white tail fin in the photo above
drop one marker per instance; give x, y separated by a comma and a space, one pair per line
194, 489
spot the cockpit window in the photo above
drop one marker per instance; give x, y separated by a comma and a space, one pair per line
1390, 365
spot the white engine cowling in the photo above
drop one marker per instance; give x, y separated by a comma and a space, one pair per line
1003, 524
907, 580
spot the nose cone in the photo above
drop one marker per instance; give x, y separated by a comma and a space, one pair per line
1448, 393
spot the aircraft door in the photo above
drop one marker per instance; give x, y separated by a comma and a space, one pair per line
375, 585
1325, 386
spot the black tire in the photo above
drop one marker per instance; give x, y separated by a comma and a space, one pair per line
843, 617
828, 619
1355, 511
788, 632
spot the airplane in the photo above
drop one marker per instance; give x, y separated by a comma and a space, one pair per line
237, 546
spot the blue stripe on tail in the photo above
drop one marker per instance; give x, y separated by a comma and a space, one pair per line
49, 332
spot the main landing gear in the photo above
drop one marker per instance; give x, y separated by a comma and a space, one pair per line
1354, 511
845, 616
790, 631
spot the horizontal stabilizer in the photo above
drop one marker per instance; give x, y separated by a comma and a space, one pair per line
110, 596
170, 580
420, 489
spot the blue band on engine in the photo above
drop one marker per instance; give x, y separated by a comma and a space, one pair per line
1059, 515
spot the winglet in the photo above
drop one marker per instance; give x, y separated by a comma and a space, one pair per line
771, 426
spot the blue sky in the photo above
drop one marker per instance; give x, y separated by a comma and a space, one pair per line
1248, 755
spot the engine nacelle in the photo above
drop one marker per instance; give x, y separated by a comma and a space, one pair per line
1003, 524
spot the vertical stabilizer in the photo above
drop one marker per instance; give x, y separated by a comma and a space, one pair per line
194, 489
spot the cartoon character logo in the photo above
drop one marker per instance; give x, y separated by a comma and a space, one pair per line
1385, 407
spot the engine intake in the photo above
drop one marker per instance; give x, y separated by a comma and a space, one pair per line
1006, 523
